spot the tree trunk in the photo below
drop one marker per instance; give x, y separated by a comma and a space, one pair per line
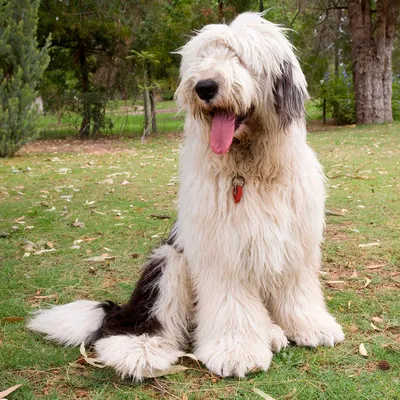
152, 102
153, 111
146, 104
336, 109
372, 46
221, 11
84, 131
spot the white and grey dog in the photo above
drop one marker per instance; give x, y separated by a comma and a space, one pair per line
238, 276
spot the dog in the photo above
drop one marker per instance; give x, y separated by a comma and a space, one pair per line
238, 276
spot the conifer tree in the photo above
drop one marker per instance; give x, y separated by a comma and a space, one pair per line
22, 64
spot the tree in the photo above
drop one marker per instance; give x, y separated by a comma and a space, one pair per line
87, 35
145, 59
372, 33
21, 66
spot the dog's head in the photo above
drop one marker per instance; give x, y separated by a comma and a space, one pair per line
238, 78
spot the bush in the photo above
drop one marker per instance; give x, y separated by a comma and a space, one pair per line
396, 98
92, 106
339, 95
21, 66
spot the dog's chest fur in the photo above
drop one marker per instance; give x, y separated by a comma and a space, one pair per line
266, 229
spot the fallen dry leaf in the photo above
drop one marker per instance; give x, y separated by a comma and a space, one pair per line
13, 319
81, 393
88, 239
353, 328
97, 212
377, 320
349, 304
92, 361
262, 394
375, 266
8, 391
78, 224
28, 245
369, 244
40, 252
160, 216
367, 282
106, 182
50, 296
174, 369
290, 395
362, 350
374, 327
102, 258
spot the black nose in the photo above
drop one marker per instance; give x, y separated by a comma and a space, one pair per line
206, 89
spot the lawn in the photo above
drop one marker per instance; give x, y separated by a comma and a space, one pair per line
63, 203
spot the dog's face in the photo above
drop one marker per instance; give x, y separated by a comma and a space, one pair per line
238, 78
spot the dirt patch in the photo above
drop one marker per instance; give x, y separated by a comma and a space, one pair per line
337, 230
98, 146
318, 125
139, 110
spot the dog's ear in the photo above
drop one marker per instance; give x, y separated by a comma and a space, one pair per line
289, 98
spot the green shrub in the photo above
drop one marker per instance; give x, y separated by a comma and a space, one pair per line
396, 98
339, 95
21, 66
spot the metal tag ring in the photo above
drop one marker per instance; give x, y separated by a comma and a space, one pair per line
238, 181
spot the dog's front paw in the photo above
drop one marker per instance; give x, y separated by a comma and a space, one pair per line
277, 338
235, 356
320, 329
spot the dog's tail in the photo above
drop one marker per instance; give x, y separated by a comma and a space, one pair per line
70, 324
89, 321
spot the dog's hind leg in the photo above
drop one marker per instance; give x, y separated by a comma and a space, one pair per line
149, 333
139, 337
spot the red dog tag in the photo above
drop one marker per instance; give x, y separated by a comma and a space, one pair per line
237, 193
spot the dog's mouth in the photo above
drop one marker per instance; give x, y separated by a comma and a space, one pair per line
223, 127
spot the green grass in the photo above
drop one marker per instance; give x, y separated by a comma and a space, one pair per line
123, 125
364, 167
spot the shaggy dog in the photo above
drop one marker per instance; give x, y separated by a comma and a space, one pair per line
238, 276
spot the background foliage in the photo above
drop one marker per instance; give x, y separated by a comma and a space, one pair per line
90, 86
21, 66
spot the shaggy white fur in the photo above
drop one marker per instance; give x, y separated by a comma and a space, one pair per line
136, 356
69, 324
243, 275
264, 250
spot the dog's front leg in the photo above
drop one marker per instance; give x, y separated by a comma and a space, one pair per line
234, 334
298, 307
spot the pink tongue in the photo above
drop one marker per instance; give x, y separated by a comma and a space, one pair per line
222, 129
